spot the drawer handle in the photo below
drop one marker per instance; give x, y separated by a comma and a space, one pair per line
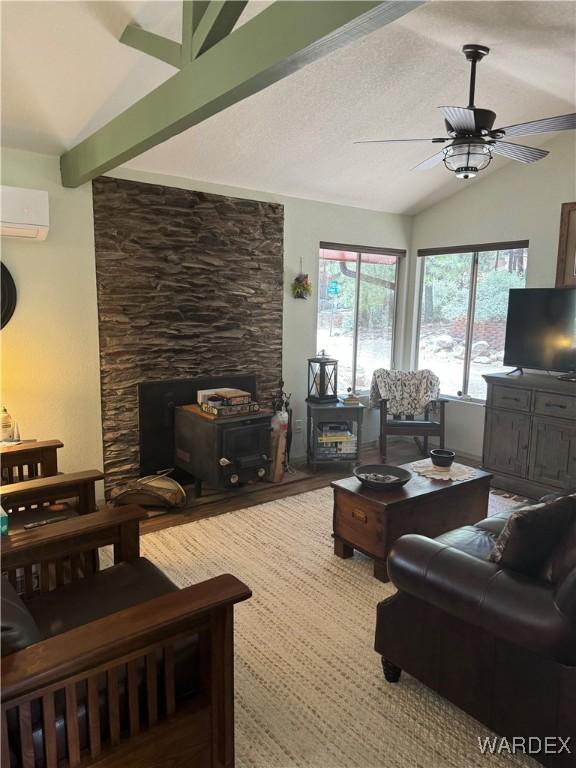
507, 397
555, 405
362, 516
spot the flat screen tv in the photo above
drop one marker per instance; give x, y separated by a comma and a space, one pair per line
541, 329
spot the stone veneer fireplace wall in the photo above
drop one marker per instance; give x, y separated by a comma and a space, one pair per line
189, 284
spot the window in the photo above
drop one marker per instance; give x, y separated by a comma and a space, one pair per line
356, 306
463, 308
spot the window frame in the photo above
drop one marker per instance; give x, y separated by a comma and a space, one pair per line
399, 254
475, 249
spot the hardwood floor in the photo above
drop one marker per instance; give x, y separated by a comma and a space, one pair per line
299, 480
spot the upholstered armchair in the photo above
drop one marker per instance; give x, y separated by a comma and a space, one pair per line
116, 667
498, 642
402, 396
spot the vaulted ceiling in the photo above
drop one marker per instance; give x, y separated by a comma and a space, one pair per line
64, 74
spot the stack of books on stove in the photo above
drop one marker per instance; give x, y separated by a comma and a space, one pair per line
336, 440
227, 402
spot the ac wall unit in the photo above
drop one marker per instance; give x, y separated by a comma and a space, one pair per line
23, 213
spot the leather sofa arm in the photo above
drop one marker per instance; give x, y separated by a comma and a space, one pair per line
95, 645
509, 605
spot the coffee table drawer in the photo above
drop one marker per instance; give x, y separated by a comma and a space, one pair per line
561, 406
511, 398
356, 521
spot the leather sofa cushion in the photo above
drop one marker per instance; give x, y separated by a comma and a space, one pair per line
108, 591
19, 630
563, 557
471, 539
532, 535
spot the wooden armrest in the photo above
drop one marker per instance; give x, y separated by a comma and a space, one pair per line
55, 484
71, 653
110, 525
28, 446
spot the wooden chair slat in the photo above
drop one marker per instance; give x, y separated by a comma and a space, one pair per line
12, 578
45, 576
76, 567
28, 581
59, 571
94, 716
169, 689
113, 706
49, 725
72, 734
26, 747
151, 689
133, 703
5, 752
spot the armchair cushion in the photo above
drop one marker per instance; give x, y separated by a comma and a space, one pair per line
108, 591
536, 540
19, 630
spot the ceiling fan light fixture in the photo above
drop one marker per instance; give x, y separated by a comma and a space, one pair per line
466, 159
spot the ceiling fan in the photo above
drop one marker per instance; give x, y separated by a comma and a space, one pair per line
473, 141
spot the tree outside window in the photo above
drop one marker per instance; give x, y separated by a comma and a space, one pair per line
356, 308
463, 310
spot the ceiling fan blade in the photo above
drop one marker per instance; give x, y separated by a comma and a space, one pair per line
431, 162
460, 118
393, 141
518, 151
559, 123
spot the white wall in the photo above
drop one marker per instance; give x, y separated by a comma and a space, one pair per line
50, 348
50, 359
518, 202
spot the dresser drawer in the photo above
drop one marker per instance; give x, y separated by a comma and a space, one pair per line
511, 398
560, 406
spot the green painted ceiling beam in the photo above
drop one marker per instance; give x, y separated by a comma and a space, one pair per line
192, 12
152, 44
216, 23
286, 36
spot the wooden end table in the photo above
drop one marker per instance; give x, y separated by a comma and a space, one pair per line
371, 521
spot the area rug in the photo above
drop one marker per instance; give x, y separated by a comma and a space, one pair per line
310, 692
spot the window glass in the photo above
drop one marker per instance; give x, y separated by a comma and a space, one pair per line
356, 305
463, 310
498, 271
336, 301
376, 304
444, 317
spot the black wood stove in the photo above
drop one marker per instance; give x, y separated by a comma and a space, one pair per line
224, 452
205, 448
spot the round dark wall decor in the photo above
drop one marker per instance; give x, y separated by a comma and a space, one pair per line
9, 295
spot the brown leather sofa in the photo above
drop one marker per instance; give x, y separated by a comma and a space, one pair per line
114, 667
499, 644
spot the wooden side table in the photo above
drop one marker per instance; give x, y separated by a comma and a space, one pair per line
371, 521
333, 433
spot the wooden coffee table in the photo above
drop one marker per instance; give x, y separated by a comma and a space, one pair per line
371, 521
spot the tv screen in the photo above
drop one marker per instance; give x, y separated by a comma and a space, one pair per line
541, 329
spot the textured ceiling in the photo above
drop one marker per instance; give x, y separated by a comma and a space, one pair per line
64, 74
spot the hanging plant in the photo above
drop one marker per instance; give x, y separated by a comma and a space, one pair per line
301, 286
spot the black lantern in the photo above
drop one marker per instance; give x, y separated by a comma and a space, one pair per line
322, 379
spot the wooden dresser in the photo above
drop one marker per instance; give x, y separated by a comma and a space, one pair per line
530, 433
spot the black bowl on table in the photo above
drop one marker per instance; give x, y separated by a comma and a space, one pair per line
441, 457
381, 477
